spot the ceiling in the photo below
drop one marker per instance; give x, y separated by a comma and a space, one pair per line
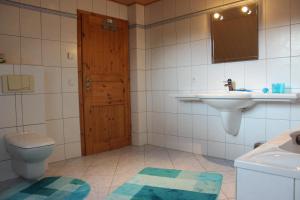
129, 2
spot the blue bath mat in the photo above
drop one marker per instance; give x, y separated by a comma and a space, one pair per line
49, 188
169, 184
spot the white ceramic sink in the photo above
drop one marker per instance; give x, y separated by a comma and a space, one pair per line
231, 104
227, 101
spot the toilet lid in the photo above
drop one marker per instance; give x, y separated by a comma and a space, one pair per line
28, 140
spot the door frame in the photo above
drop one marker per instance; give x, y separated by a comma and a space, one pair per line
80, 78
80, 14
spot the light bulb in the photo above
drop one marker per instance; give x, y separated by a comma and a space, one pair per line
245, 9
217, 15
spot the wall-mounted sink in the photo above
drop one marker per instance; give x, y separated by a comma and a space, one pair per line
232, 104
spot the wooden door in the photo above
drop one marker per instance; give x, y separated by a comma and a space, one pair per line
105, 102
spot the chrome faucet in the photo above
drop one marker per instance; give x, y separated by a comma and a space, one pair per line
229, 84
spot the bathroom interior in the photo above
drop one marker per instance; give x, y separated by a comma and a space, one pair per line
186, 99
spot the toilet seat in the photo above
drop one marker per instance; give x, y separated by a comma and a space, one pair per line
28, 140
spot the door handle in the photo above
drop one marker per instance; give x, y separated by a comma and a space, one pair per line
88, 83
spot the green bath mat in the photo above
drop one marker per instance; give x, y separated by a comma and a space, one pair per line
49, 188
169, 184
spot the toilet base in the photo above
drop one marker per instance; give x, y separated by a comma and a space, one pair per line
27, 170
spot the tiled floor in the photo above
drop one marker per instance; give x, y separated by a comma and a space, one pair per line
106, 171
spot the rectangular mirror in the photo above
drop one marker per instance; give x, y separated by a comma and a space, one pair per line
234, 34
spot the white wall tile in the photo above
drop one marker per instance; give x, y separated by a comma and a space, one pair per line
68, 55
50, 27
31, 2
277, 13
200, 27
278, 111
68, 6
73, 150
58, 154
50, 53
215, 130
276, 127
295, 15
6, 171
30, 23
86, 5
183, 31
70, 105
100, 6
216, 149
156, 11
123, 12
199, 52
295, 40
170, 53
295, 111
169, 34
157, 79
170, 104
31, 51
171, 142
255, 74
3, 152
234, 151
168, 9
11, 26
112, 9
10, 47
53, 106
185, 144
69, 80
183, 55
236, 72
182, 7
33, 109
278, 42
199, 147
199, 78
185, 125
171, 127
52, 79
156, 36
184, 77
200, 128
157, 58
215, 77
50, 4
7, 110
71, 130
171, 81
278, 71
295, 72
55, 131
255, 131
158, 123
68, 29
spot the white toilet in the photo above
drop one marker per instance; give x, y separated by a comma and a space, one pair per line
29, 152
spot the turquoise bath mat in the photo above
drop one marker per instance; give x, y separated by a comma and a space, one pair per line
50, 188
169, 184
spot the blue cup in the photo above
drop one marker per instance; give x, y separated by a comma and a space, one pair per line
278, 88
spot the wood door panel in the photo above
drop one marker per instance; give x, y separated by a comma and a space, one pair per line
105, 83
98, 131
106, 93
